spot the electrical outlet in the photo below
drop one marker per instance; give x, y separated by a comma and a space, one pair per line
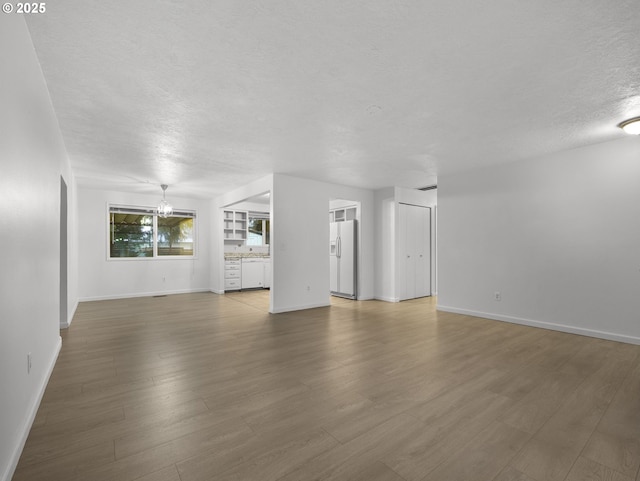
497, 296
28, 363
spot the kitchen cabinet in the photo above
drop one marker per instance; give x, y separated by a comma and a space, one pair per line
247, 273
235, 225
343, 214
267, 272
232, 274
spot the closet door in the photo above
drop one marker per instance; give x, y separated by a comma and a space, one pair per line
406, 264
414, 276
423, 251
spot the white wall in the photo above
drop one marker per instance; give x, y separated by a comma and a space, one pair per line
33, 158
72, 242
101, 278
385, 242
300, 237
558, 236
251, 206
340, 203
299, 252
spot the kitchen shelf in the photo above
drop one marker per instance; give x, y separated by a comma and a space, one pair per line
235, 225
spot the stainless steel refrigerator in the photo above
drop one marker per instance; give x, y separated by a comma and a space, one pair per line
342, 258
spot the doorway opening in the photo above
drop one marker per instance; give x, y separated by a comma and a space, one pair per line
344, 248
247, 250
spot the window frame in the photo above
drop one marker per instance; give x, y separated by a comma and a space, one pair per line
150, 211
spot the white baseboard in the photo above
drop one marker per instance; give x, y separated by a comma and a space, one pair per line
65, 325
31, 415
141, 294
610, 336
300, 308
387, 299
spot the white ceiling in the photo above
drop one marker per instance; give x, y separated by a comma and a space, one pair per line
209, 95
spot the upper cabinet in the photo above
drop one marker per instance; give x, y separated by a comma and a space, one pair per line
235, 225
342, 214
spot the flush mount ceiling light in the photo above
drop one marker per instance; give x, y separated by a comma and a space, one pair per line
631, 126
164, 208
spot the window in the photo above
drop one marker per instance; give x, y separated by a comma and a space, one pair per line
259, 229
175, 236
138, 232
131, 235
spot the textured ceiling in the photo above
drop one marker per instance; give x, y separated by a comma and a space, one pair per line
209, 95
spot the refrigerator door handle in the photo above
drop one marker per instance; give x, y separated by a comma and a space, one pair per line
339, 246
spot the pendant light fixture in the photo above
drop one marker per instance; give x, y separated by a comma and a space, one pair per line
631, 126
164, 208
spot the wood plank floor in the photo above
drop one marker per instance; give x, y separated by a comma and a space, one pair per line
207, 387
